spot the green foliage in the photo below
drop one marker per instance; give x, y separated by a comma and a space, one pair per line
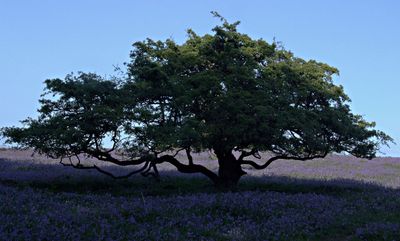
229, 91
82, 110
223, 91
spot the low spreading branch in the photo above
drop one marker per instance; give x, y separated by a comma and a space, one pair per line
107, 157
281, 157
80, 166
149, 164
194, 168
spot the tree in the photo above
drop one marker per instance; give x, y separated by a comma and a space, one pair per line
223, 92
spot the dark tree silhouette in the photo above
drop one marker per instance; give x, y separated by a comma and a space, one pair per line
223, 92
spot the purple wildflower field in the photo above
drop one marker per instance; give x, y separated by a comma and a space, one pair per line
336, 198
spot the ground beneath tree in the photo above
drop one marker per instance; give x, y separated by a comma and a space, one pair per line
337, 198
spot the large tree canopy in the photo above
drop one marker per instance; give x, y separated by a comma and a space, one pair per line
223, 92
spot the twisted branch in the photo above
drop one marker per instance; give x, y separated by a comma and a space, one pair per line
282, 157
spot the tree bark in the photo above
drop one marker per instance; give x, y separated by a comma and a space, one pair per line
230, 170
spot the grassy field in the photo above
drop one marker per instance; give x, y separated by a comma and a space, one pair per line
337, 198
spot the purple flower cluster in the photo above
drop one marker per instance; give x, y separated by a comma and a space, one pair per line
366, 208
379, 231
32, 214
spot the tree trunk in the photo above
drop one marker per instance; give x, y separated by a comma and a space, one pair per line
230, 170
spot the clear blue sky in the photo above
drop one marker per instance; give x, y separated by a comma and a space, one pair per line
47, 39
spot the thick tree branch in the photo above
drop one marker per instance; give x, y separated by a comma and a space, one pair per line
194, 168
107, 157
282, 157
150, 162
123, 176
80, 166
